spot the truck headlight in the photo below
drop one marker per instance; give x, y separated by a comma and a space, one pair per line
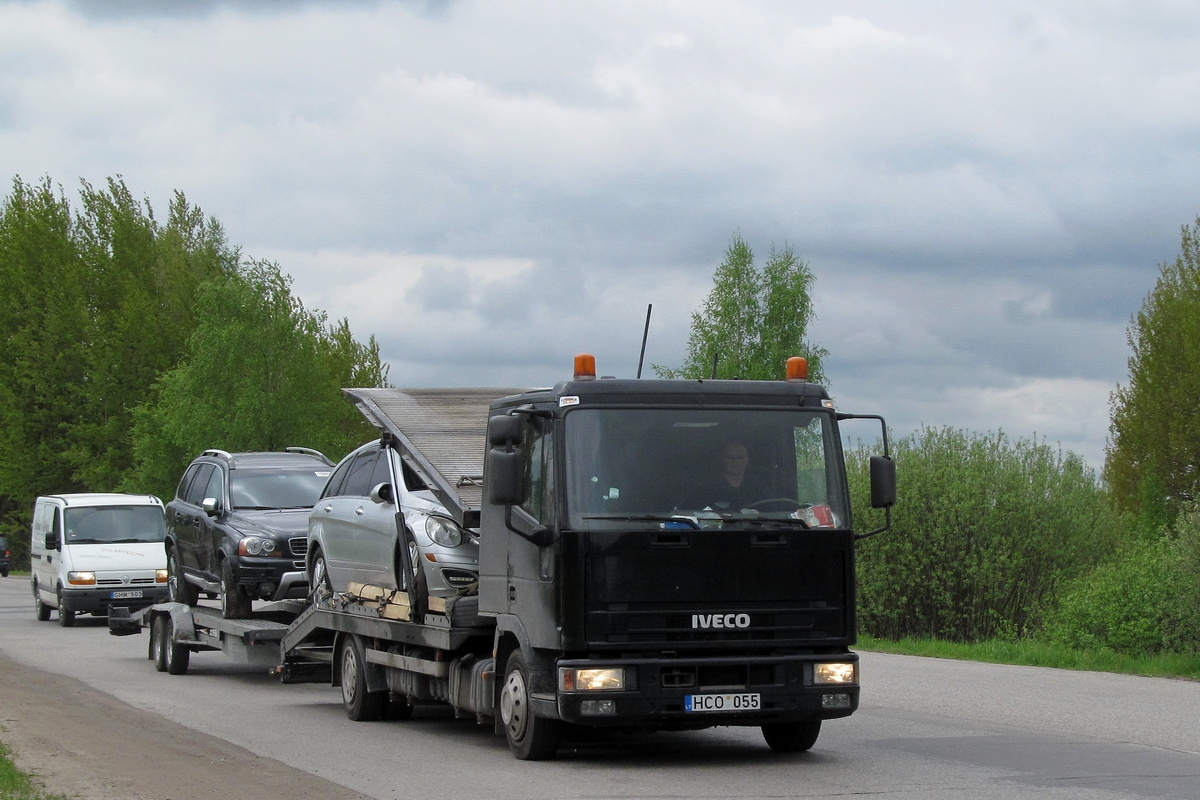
571, 679
835, 672
444, 531
254, 546
160, 576
81, 578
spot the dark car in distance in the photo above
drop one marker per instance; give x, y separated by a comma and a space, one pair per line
237, 527
5, 555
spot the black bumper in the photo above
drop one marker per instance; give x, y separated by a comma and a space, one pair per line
84, 601
739, 691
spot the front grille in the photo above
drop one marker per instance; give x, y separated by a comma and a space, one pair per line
118, 582
299, 545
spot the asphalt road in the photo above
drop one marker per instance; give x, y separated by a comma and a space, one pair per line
927, 728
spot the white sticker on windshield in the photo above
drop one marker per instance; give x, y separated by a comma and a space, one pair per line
572, 400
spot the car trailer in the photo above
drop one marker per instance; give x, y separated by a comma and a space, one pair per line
178, 630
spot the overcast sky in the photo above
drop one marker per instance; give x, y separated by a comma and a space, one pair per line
984, 191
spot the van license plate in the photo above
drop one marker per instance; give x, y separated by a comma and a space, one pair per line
722, 702
126, 595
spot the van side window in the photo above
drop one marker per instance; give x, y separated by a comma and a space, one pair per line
56, 523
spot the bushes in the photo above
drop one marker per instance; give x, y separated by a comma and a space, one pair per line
1144, 602
985, 531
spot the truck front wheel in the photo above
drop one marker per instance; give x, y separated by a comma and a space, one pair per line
531, 738
792, 737
361, 705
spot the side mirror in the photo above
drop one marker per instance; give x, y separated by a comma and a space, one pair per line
504, 430
211, 506
51, 541
505, 486
883, 482
383, 494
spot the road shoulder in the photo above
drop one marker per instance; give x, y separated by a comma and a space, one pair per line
87, 744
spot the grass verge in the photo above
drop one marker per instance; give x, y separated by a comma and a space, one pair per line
1037, 654
16, 785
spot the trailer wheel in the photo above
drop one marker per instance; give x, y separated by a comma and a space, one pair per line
158, 644
43, 610
792, 737
234, 603
531, 738
361, 705
178, 589
176, 656
66, 617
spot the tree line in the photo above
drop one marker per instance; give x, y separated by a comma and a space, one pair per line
134, 343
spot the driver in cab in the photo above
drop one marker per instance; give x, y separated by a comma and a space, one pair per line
735, 490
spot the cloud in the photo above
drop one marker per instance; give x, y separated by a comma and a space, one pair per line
983, 192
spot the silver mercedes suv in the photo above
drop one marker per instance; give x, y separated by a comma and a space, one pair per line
354, 533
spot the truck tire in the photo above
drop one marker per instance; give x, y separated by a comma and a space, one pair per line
531, 738
178, 589
234, 603
361, 705
177, 656
158, 642
66, 617
43, 610
792, 737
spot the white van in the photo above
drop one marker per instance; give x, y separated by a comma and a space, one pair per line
92, 551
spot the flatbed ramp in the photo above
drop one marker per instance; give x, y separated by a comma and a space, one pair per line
440, 434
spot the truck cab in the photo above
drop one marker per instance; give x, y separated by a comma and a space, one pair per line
670, 555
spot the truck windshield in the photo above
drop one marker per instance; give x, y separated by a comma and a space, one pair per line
115, 525
687, 468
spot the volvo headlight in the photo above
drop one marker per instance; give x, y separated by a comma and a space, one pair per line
444, 531
835, 673
254, 546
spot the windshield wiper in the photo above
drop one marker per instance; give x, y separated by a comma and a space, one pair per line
766, 522
691, 523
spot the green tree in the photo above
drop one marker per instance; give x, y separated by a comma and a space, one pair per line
1152, 463
753, 320
261, 372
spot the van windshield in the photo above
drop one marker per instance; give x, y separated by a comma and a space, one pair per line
115, 525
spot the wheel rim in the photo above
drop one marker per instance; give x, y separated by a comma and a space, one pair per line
173, 578
318, 574
156, 638
226, 601
514, 705
349, 674
413, 555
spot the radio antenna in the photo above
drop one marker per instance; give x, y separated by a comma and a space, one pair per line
645, 335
